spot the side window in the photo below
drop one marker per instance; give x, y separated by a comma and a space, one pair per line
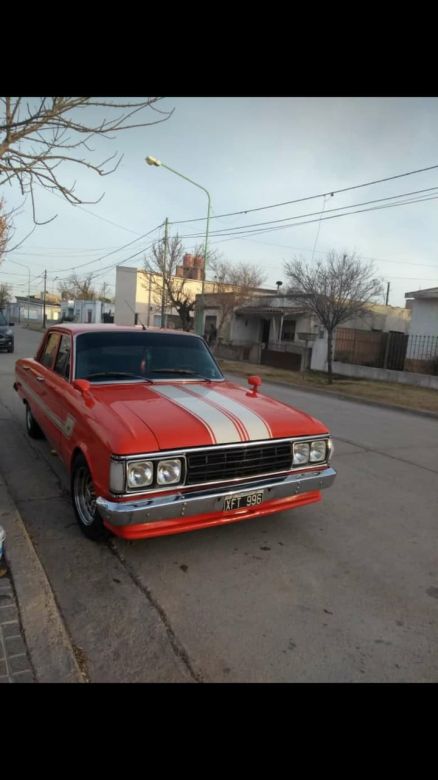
50, 350
62, 365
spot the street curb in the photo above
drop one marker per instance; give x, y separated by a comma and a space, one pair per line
345, 397
48, 644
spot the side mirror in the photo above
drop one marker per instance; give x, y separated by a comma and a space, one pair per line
11, 324
82, 385
254, 382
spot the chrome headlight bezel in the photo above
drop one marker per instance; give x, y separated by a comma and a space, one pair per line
311, 452
155, 479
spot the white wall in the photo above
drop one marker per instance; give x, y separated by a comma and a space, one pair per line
386, 375
125, 304
319, 354
424, 320
245, 329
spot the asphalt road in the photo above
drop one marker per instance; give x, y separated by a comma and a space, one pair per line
342, 591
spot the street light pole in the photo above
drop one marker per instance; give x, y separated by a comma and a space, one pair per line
163, 280
44, 300
153, 161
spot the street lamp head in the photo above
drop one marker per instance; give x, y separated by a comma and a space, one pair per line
153, 161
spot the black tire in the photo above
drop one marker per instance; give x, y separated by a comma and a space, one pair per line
11, 348
32, 427
83, 498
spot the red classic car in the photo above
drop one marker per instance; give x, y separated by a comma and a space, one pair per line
157, 441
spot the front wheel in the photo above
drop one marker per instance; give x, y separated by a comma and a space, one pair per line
84, 501
32, 426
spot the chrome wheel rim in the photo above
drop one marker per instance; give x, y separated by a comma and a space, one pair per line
29, 418
85, 496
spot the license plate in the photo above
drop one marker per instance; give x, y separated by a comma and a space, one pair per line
243, 500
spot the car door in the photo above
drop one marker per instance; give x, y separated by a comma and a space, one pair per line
39, 387
63, 395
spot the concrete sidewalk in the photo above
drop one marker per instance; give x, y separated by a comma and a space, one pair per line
34, 643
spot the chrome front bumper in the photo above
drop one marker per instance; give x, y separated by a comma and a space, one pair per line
181, 505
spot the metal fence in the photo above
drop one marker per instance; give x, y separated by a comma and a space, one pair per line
393, 350
422, 355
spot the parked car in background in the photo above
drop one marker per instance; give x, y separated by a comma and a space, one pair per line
6, 334
156, 441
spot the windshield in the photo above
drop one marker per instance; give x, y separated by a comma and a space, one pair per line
112, 357
3, 320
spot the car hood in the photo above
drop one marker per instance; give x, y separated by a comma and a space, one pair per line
174, 415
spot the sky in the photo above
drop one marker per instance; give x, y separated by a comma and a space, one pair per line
249, 153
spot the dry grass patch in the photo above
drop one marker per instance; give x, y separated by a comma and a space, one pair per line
405, 396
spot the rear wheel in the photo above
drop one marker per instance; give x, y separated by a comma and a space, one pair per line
84, 501
32, 426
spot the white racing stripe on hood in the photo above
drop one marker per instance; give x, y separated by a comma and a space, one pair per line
257, 428
221, 427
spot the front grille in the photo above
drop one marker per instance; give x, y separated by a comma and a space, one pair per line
241, 461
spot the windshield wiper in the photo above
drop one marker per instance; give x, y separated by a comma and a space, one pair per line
181, 372
118, 373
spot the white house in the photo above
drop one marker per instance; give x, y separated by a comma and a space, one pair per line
87, 311
422, 348
424, 308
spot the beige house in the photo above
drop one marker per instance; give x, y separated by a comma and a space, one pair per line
138, 297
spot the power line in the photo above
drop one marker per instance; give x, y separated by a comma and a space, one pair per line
103, 271
97, 216
308, 197
310, 221
324, 252
82, 265
328, 211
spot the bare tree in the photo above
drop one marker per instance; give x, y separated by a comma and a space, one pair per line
233, 286
41, 133
5, 295
4, 230
77, 287
104, 293
335, 290
162, 266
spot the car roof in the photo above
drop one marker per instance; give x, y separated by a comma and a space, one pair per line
83, 327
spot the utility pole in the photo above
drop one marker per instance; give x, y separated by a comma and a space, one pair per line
388, 285
44, 300
163, 291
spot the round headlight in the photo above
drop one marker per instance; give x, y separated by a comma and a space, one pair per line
140, 474
301, 453
168, 472
317, 451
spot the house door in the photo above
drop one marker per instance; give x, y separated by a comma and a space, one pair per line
266, 327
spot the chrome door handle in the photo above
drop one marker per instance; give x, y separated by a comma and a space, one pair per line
39, 378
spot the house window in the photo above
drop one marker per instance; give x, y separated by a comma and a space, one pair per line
288, 332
